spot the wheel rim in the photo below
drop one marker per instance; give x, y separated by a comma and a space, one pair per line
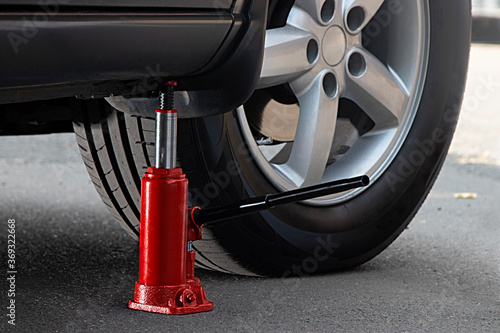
339, 90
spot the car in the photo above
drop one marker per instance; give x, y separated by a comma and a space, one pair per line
273, 95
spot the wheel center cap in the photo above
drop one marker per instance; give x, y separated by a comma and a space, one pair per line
333, 45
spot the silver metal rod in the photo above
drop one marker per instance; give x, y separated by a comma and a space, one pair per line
166, 139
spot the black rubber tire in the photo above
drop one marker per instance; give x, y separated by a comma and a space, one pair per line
294, 239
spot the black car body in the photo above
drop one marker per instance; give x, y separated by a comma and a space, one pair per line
93, 49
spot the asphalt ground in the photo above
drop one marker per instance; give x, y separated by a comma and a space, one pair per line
76, 268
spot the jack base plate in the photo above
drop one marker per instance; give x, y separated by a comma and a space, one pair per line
174, 300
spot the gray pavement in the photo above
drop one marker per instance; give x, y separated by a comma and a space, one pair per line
76, 267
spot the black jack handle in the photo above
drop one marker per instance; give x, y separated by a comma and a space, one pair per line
254, 205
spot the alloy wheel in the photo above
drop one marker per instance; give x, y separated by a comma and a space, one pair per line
340, 86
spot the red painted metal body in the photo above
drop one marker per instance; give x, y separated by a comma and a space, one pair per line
166, 270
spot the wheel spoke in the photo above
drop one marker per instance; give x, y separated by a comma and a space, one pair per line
277, 154
359, 12
315, 131
289, 52
376, 89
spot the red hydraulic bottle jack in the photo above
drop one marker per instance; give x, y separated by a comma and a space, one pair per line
166, 261
168, 227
